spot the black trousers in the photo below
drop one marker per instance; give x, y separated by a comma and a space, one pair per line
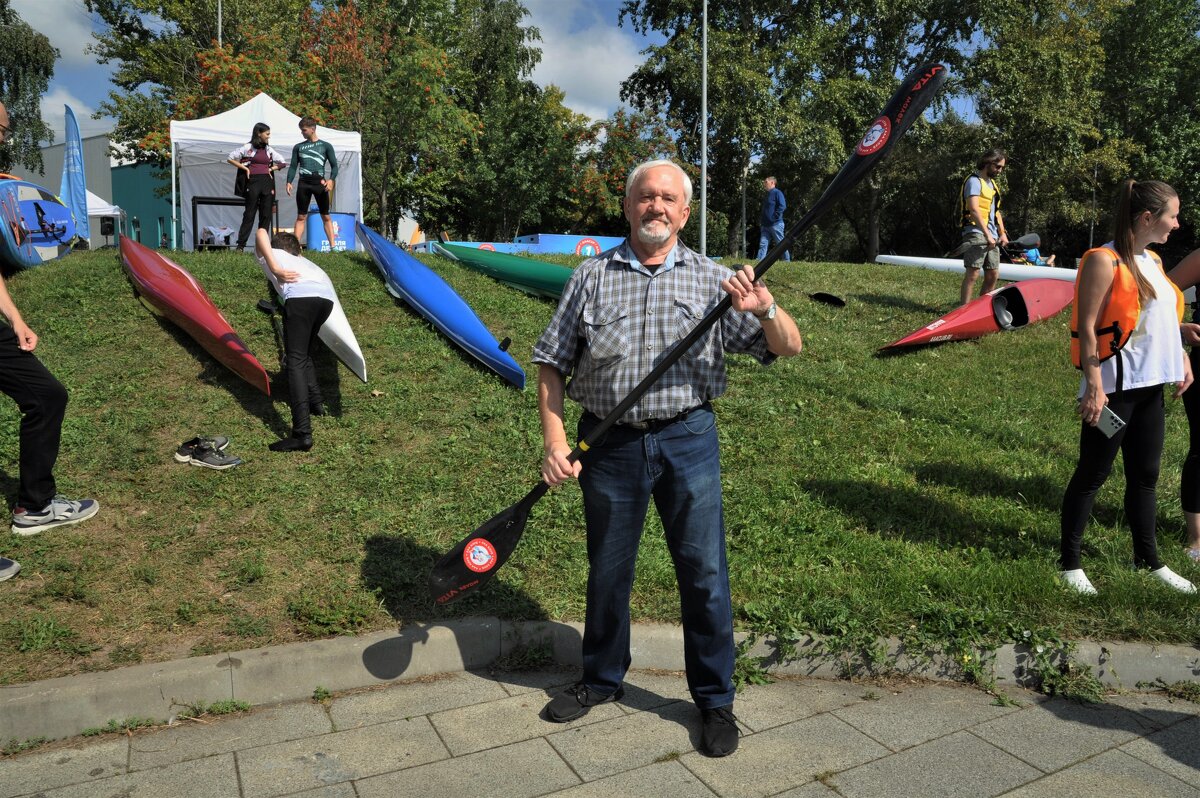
302, 320
1141, 443
260, 196
43, 403
1189, 482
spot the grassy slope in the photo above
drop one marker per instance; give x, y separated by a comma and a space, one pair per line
914, 495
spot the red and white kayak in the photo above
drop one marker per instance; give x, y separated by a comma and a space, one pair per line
167, 289
1009, 308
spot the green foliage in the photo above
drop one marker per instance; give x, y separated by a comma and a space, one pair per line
26, 66
201, 708
332, 609
1187, 691
15, 746
746, 669
121, 726
321, 695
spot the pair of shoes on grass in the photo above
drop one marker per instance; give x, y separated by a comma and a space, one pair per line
718, 726
207, 452
61, 511
1077, 580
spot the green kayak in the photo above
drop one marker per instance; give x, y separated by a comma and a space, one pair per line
534, 276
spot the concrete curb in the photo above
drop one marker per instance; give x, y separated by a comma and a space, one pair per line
66, 706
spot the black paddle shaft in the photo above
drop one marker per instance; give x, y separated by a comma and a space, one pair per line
476, 558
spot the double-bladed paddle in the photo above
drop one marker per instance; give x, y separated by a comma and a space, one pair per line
475, 560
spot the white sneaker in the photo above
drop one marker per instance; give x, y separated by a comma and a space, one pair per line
1077, 580
1174, 580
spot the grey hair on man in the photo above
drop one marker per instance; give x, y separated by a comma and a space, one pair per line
638, 171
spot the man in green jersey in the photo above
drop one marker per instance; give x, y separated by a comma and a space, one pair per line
310, 157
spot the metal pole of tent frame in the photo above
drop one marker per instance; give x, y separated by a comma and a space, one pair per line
174, 197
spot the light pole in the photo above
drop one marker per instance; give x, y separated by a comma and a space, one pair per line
704, 131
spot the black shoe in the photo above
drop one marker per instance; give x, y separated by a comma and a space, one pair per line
316, 408
575, 701
719, 732
188, 448
292, 444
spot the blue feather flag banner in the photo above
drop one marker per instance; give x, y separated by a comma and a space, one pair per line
73, 191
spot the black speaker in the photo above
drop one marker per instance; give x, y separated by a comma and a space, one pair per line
106, 225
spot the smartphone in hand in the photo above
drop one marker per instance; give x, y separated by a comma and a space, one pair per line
1109, 423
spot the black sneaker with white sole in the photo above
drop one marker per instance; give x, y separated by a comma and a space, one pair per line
208, 457
186, 449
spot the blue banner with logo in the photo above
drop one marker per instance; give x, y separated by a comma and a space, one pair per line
73, 191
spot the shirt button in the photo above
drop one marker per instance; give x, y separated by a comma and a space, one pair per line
649, 312
649, 346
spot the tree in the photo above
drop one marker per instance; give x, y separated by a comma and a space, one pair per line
792, 85
26, 66
1038, 89
155, 45
1151, 78
518, 166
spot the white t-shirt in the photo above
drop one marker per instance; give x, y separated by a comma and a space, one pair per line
313, 282
1154, 353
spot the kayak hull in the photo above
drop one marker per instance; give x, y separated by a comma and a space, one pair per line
1009, 308
1008, 271
529, 275
428, 294
35, 227
170, 291
336, 334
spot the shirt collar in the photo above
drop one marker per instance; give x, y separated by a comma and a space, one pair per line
627, 254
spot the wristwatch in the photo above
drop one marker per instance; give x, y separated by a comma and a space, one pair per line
770, 314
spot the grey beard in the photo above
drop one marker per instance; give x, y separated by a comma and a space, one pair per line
649, 236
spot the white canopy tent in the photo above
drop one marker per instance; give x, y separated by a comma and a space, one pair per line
97, 208
200, 151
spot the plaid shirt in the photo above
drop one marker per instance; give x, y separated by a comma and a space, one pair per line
617, 318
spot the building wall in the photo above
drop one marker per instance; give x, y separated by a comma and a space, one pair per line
136, 188
96, 168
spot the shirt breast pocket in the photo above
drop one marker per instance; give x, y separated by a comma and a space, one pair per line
687, 316
606, 329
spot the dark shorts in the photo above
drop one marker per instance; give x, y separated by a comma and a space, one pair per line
308, 189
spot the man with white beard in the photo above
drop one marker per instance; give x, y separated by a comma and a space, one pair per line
620, 313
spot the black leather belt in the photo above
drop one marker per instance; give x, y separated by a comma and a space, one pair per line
653, 424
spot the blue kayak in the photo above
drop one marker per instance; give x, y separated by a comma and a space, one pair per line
35, 226
428, 294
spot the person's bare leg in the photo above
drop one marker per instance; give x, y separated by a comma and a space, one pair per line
299, 229
968, 285
989, 280
330, 236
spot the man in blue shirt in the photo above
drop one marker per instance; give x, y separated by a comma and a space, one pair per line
770, 221
620, 312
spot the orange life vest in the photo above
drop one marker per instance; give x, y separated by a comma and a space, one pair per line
1120, 313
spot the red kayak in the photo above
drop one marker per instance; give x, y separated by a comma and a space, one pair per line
1009, 308
167, 289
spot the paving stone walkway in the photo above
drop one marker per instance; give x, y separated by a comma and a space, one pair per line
481, 734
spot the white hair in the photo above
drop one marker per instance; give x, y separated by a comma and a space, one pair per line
640, 169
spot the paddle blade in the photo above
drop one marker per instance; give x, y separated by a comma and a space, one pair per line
474, 561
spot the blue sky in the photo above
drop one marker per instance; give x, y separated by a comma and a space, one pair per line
584, 52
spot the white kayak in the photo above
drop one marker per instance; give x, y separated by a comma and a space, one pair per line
336, 334
1008, 271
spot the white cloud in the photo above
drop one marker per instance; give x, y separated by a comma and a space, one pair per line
66, 23
584, 52
55, 117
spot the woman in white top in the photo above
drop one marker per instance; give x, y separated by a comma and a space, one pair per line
1128, 382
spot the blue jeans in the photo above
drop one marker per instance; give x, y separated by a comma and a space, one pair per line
770, 235
678, 465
